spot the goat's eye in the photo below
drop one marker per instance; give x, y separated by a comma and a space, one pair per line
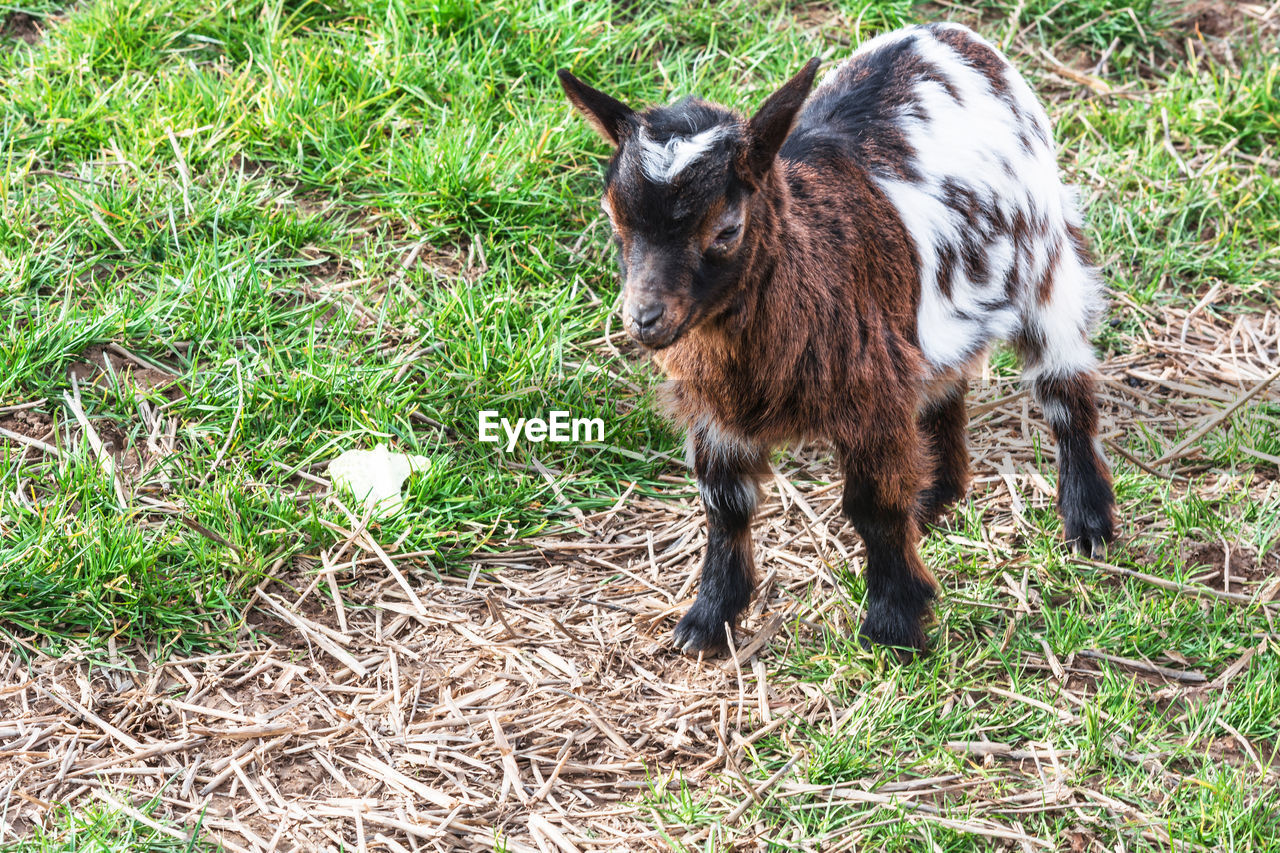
727, 235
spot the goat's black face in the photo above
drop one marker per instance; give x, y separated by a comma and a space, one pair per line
679, 216
677, 192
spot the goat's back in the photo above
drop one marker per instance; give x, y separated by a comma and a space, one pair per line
956, 140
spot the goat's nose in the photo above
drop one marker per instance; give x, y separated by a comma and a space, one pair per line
647, 316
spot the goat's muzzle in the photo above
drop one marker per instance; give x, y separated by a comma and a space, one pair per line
653, 323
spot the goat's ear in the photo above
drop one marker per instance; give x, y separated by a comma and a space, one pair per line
772, 122
609, 116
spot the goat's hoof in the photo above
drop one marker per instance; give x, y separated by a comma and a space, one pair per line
936, 502
703, 629
896, 630
1088, 536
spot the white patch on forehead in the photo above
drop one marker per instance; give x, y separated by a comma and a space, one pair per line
662, 161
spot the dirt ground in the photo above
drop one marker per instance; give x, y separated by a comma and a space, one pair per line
20, 25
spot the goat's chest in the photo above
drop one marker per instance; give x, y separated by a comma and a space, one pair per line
762, 400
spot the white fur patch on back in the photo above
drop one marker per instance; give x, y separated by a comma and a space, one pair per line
983, 160
662, 161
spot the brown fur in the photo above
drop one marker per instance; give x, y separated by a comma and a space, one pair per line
779, 291
943, 422
813, 356
800, 353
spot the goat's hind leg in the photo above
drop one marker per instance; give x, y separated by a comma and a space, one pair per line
1059, 363
1085, 496
729, 473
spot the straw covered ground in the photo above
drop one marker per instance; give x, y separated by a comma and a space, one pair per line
246, 237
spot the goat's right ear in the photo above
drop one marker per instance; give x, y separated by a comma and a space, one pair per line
609, 116
772, 122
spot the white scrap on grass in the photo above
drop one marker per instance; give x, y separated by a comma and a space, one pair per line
375, 477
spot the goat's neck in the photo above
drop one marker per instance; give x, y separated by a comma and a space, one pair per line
735, 340
771, 241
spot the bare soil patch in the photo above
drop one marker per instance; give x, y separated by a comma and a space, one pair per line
1234, 567
23, 26
1220, 18
133, 456
32, 423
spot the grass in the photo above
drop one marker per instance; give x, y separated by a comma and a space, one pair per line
102, 829
258, 262
259, 234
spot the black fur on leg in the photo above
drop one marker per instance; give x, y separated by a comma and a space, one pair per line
728, 579
943, 422
1085, 497
900, 590
728, 479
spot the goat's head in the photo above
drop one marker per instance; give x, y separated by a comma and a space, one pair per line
678, 192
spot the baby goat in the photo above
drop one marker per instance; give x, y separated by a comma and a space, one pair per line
835, 267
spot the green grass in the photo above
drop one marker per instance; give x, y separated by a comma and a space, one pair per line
1131, 24
229, 192
269, 284
101, 829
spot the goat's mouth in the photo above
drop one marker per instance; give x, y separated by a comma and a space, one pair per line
655, 339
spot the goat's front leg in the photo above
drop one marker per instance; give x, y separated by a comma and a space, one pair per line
942, 424
881, 492
729, 473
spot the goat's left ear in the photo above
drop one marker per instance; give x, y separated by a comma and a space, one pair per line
770, 125
610, 117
